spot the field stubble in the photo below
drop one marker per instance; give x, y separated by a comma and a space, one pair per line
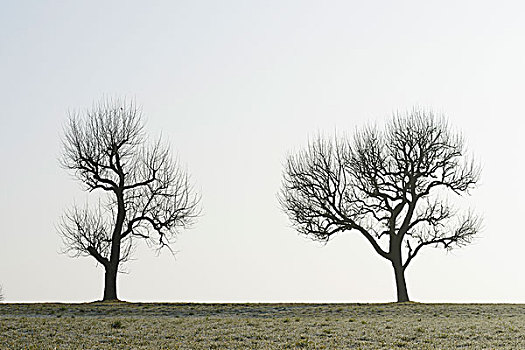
261, 326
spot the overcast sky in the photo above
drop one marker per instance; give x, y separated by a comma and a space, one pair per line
235, 86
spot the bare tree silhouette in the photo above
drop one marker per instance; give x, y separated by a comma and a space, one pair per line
385, 184
2, 296
144, 193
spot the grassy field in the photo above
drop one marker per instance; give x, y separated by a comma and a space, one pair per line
261, 326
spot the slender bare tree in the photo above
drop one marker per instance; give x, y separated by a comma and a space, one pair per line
2, 296
389, 184
143, 191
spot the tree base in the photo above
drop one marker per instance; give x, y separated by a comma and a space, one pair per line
110, 301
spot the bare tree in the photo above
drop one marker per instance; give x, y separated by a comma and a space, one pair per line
2, 296
390, 185
143, 193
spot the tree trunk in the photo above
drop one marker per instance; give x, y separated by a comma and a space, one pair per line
110, 283
402, 293
110, 286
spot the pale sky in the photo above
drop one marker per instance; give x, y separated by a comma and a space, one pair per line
235, 86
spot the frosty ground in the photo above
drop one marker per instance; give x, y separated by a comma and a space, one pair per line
261, 326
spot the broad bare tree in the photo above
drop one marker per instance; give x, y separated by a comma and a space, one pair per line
392, 185
143, 193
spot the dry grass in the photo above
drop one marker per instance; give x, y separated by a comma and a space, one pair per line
261, 326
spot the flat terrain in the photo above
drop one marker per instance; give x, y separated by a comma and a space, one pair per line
261, 326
